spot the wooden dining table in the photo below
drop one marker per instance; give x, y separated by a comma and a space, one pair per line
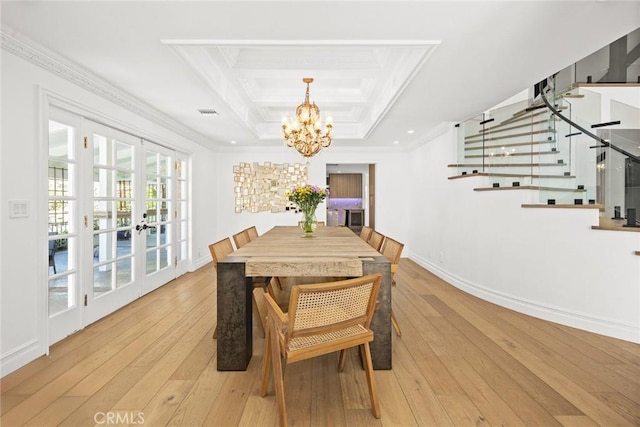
284, 252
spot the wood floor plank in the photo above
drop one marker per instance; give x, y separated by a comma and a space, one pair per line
394, 408
197, 326
580, 367
353, 383
298, 379
492, 407
195, 362
495, 344
56, 412
459, 361
576, 421
193, 410
620, 403
327, 404
462, 411
94, 381
228, 408
104, 399
427, 409
258, 411
42, 398
165, 403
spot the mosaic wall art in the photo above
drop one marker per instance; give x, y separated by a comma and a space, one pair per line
262, 187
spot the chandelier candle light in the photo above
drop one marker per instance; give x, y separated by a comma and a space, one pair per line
305, 135
307, 198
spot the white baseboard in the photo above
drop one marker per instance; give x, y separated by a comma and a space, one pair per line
584, 321
18, 357
200, 262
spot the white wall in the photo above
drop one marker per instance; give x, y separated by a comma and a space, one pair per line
545, 262
23, 272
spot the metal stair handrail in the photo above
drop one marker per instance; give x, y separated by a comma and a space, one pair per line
604, 142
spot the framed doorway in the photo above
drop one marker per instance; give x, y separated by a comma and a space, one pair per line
117, 220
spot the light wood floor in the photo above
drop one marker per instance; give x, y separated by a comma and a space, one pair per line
461, 361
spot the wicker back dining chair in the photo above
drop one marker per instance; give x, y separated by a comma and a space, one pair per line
241, 238
252, 232
322, 318
365, 233
375, 240
392, 249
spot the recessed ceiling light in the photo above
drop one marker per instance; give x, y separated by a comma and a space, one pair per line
208, 111
233, 142
411, 131
396, 142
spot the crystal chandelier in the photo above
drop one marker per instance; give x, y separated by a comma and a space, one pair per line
305, 135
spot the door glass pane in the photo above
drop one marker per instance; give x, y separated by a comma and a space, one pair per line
102, 280
103, 215
113, 201
152, 261
124, 154
181, 214
61, 293
152, 163
125, 272
60, 141
159, 213
164, 165
103, 182
101, 150
62, 244
164, 257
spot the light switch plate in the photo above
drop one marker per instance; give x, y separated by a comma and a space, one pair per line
18, 208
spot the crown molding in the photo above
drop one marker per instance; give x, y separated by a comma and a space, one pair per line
50, 61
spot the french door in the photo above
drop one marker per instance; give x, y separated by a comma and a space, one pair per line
125, 204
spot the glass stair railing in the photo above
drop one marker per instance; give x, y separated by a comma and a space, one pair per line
557, 146
603, 149
514, 145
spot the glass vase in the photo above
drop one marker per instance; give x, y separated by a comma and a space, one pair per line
309, 222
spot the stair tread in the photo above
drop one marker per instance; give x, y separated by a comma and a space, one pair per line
513, 135
530, 187
499, 127
502, 165
510, 175
513, 144
510, 154
563, 206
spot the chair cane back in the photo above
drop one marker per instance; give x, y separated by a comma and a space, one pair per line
241, 238
252, 232
376, 239
365, 233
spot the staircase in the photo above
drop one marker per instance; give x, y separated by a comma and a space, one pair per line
527, 146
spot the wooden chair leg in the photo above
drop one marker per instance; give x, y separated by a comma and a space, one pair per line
266, 361
257, 316
395, 324
278, 379
341, 359
373, 392
215, 333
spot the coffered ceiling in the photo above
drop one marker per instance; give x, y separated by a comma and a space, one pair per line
355, 82
384, 71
